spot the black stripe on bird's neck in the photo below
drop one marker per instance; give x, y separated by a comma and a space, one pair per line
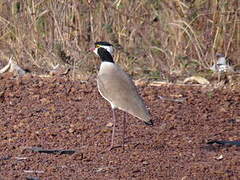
105, 55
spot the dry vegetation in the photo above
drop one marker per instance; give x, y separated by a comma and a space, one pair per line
154, 38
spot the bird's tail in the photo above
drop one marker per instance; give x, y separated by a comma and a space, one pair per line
149, 123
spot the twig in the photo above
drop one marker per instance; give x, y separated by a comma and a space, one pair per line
32, 178
33, 171
50, 151
226, 143
171, 99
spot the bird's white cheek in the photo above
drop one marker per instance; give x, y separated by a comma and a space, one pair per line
110, 50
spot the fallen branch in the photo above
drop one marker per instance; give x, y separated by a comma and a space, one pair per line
226, 143
13, 67
50, 151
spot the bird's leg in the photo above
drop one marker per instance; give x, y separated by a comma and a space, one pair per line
124, 128
113, 131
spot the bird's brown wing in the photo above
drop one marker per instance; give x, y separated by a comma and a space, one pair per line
120, 91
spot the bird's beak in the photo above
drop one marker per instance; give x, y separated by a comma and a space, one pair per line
92, 49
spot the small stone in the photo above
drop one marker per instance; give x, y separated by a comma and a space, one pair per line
219, 157
109, 124
145, 163
106, 130
71, 130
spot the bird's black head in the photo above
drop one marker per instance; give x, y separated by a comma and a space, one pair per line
102, 43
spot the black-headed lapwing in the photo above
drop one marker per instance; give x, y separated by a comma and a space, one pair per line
117, 88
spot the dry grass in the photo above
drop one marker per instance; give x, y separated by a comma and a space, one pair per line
155, 38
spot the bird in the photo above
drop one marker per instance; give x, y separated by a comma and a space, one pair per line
116, 86
223, 64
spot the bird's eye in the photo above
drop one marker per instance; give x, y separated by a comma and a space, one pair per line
97, 46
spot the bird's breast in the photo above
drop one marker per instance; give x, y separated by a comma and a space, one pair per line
107, 67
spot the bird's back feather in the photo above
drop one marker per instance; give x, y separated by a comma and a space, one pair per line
117, 87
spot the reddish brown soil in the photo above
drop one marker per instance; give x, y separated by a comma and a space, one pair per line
57, 113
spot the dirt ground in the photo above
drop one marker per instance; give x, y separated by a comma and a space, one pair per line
57, 113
